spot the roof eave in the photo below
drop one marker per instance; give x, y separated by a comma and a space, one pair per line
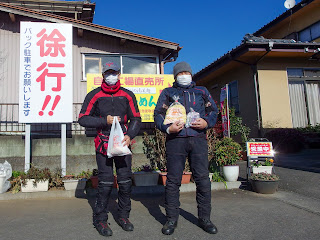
90, 26
249, 46
283, 16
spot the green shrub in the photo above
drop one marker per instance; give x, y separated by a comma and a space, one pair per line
286, 140
227, 152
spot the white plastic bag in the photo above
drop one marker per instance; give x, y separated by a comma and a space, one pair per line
192, 116
115, 145
5, 174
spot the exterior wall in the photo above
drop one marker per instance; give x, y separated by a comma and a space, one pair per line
9, 63
300, 20
274, 93
97, 43
47, 153
91, 42
246, 91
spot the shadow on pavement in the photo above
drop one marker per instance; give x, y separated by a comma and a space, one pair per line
152, 204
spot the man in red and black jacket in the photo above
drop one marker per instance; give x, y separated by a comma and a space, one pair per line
99, 108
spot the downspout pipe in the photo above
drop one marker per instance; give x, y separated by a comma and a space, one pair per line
172, 57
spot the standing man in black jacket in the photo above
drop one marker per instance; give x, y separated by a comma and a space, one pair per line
183, 142
99, 108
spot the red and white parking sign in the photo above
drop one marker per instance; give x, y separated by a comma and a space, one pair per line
46, 82
263, 149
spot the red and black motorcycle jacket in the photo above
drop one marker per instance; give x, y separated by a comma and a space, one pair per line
110, 100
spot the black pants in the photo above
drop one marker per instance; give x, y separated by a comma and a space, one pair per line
105, 185
196, 149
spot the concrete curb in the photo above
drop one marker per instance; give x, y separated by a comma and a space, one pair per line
88, 193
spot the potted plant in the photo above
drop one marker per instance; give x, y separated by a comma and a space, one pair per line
155, 150
265, 166
15, 181
56, 180
145, 176
227, 153
94, 178
264, 183
81, 179
35, 180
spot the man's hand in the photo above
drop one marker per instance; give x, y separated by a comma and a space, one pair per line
176, 127
126, 141
110, 119
200, 124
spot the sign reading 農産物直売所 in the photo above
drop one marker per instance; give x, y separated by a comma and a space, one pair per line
146, 87
45, 78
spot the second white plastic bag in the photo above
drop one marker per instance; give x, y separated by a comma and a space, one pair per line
115, 145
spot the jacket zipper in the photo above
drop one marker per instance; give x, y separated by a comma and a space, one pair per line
185, 104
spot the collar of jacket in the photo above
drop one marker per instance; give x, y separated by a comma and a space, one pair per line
110, 89
177, 85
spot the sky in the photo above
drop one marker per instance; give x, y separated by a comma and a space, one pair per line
206, 29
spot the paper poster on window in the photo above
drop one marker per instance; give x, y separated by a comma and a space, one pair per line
146, 87
45, 78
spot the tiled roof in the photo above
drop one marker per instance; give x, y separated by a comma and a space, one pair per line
88, 26
255, 42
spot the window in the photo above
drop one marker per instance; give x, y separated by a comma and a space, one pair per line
310, 33
304, 91
129, 64
234, 96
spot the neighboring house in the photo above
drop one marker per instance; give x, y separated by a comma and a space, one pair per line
274, 75
93, 45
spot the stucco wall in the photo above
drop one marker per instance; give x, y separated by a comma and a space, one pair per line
274, 93
274, 98
247, 101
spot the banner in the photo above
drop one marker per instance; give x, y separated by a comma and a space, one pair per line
45, 78
260, 149
225, 111
146, 87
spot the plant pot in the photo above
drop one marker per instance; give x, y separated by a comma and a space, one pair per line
265, 187
41, 186
186, 176
231, 173
145, 178
115, 183
94, 181
261, 169
73, 184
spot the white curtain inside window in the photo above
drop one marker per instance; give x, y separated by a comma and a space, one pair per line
313, 97
298, 104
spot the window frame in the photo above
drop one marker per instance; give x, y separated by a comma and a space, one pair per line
84, 79
305, 80
230, 96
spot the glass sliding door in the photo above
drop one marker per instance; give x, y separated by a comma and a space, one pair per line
304, 91
298, 104
313, 99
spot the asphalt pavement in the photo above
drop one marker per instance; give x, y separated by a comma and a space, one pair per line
291, 213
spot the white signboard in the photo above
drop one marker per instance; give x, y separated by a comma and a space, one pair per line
46, 82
